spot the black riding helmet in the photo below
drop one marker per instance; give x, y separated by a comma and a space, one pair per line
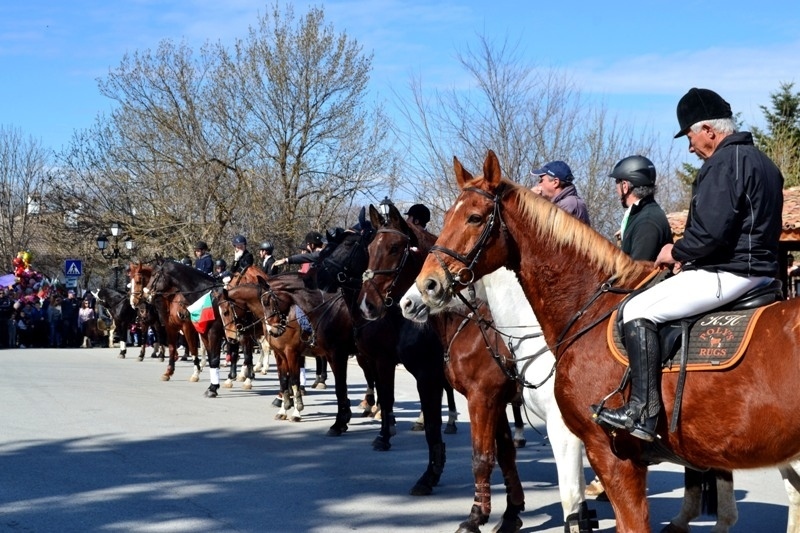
636, 169
220, 263
268, 246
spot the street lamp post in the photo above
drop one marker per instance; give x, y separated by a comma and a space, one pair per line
114, 254
384, 206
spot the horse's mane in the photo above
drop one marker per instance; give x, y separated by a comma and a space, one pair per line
553, 224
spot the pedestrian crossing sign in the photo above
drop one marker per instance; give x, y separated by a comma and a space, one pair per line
73, 268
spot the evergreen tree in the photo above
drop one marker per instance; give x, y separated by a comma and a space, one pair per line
781, 140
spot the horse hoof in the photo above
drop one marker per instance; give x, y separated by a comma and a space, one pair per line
240, 378
418, 426
381, 445
507, 525
520, 443
334, 431
210, 394
228, 384
141, 358
165, 377
421, 489
468, 527
247, 385
295, 419
280, 417
257, 368
184, 358
121, 356
194, 379
451, 429
264, 372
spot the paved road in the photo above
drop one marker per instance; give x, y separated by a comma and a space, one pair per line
89, 442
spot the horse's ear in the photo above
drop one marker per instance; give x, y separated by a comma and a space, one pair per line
375, 217
462, 176
491, 170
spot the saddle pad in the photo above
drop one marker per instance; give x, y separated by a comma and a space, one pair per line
717, 340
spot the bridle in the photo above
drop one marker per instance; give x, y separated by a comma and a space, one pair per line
466, 275
369, 275
239, 323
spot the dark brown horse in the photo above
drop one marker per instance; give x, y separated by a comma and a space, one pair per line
396, 257
742, 417
332, 328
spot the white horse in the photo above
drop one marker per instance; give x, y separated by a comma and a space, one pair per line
514, 318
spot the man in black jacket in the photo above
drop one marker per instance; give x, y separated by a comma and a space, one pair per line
242, 258
645, 228
729, 246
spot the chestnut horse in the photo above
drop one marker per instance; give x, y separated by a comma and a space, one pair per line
742, 417
170, 307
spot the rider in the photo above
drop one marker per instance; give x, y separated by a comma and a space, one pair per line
419, 215
555, 184
314, 244
645, 228
221, 269
242, 258
729, 246
267, 259
203, 260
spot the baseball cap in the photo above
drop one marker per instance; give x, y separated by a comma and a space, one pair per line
555, 169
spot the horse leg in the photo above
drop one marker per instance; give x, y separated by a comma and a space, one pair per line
213, 342
122, 348
507, 458
484, 419
708, 493
247, 366
452, 414
430, 386
791, 482
519, 425
192, 341
285, 401
266, 351
142, 352
384, 381
173, 356
625, 482
419, 423
234, 352
343, 414
568, 454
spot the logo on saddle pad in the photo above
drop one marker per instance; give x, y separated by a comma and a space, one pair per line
716, 340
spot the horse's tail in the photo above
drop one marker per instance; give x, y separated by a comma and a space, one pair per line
707, 481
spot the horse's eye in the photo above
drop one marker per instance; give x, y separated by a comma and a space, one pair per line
475, 219
394, 249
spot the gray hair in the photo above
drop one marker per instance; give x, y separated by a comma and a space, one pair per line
724, 126
643, 191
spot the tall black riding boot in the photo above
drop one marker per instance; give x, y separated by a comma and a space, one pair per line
640, 415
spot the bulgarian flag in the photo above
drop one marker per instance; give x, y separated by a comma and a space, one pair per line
202, 313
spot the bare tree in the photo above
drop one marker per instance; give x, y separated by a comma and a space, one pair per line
23, 176
528, 116
270, 139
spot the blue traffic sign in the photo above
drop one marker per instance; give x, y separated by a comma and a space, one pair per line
73, 268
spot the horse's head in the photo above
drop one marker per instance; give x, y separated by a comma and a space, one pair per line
140, 276
344, 260
473, 242
395, 255
231, 313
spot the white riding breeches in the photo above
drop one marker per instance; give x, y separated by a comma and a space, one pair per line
689, 293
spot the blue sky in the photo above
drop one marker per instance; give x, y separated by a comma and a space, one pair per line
638, 57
